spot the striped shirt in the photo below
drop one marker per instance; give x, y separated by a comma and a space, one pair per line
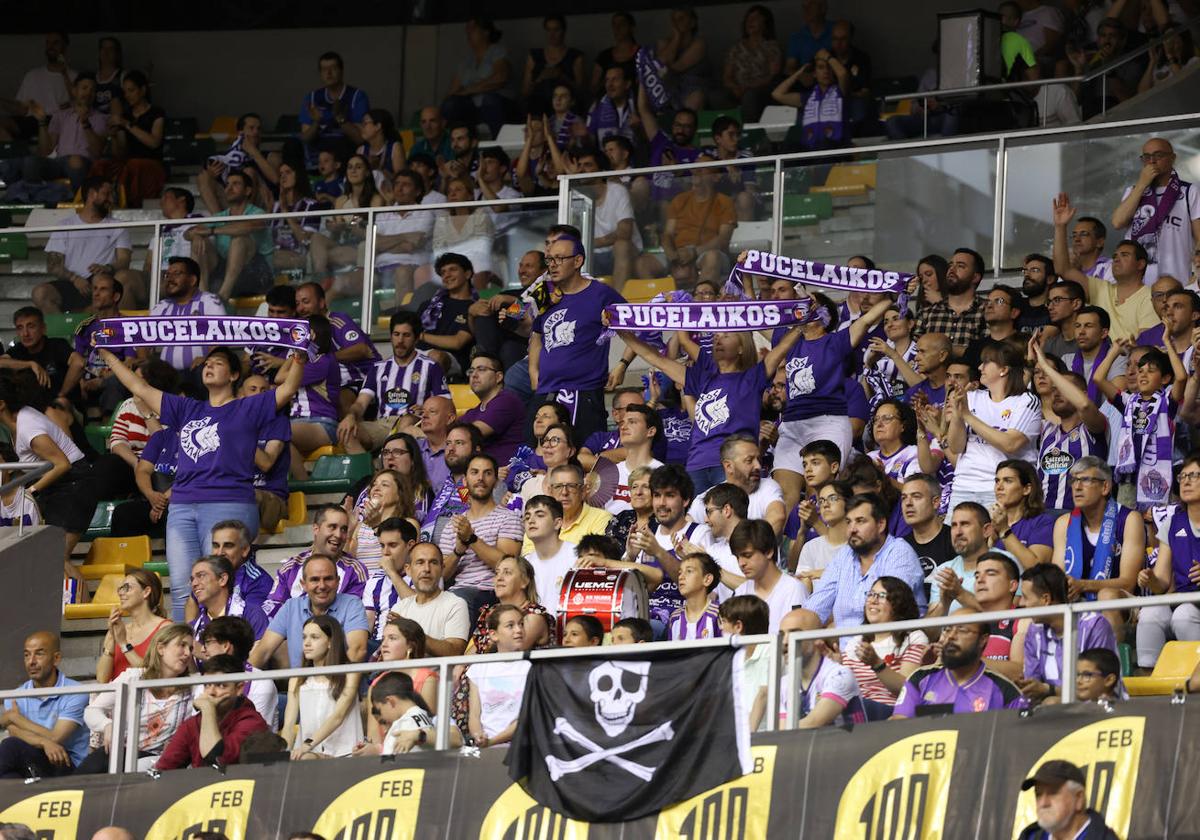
498, 523
707, 626
23, 510
1058, 450
352, 580
201, 303
129, 427
910, 652
379, 596
399, 388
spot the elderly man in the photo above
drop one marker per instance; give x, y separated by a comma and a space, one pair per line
46, 735
1161, 212
566, 484
1062, 811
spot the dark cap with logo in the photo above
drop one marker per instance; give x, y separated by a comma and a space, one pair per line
1055, 773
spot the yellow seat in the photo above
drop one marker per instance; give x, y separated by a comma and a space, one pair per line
297, 511
900, 109
641, 290
328, 449
223, 127
249, 303
134, 313
1177, 661
131, 551
464, 398
849, 179
104, 599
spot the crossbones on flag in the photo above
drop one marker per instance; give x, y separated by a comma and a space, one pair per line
605, 740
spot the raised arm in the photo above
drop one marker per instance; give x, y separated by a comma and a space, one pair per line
649, 119
1123, 215
291, 384
778, 353
783, 93
858, 330
1178, 371
1061, 253
1100, 375
1092, 418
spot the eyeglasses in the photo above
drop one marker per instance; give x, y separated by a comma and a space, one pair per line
1191, 475
1155, 157
1087, 479
125, 587
1159, 295
997, 302
396, 450
874, 595
886, 418
1059, 299
477, 369
553, 441
1087, 675
709, 511
571, 485
560, 260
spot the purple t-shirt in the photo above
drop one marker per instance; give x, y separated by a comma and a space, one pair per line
319, 389
1035, 530
667, 184
571, 358
352, 580
216, 446
726, 404
505, 415
276, 479
816, 377
347, 333
1043, 647
162, 450
677, 430
984, 692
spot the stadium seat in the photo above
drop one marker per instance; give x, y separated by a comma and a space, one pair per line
1176, 662
776, 120
347, 306
1125, 655
322, 451
63, 324
223, 128
511, 138
849, 179
188, 152
806, 209
180, 128
13, 246
705, 119
159, 567
297, 512
135, 313
103, 600
101, 520
248, 304
97, 436
334, 474
640, 291
115, 556
464, 398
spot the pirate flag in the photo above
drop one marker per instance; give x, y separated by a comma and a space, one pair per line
604, 740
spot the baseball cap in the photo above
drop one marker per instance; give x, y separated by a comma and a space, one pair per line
1054, 773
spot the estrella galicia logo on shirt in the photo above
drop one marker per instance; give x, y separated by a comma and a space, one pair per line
1108, 753
557, 331
197, 438
800, 377
902, 791
712, 410
516, 816
382, 807
52, 816
737, 810
223, 807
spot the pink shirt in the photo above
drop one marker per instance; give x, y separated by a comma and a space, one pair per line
64, 124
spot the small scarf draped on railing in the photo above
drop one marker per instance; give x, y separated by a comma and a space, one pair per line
204, 331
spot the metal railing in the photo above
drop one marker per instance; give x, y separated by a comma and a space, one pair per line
31, 472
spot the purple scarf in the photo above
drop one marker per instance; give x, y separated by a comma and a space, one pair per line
1152, 212
822, 275
713, 316
1150, 463
1077, 366
650, 75
562, 137
204, 331
433, 312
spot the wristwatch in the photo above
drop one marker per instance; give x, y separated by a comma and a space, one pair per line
879, 667
128, 648
471, 540
1007, 533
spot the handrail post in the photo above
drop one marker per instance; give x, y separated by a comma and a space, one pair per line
1069, 655
368, 276
443, 707
1103, 93
777, 209
795, 664
773, 685
155, 263
999, 207
116, 743
925, 117
133, 721
564, 200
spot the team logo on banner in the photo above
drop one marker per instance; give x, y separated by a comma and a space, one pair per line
737, 810
383, 807
223, 807
52, 816
1108, 753
515, 816
902, 791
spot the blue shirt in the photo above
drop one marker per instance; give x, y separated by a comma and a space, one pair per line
842, 589
289, 622
47, 711
804, 46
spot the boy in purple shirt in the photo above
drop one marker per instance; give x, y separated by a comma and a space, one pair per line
962, 683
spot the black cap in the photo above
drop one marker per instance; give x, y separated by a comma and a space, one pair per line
1055, 773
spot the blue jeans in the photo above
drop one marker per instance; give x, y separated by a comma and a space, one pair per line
189, 537
706, 477
516, 379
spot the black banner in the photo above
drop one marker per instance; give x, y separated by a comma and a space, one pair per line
955, 777
602, 738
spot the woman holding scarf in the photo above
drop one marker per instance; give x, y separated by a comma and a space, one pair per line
214, 480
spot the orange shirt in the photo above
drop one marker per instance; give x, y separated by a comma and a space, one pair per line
699, 221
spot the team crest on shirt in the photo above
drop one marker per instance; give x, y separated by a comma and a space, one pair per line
800, 377
979, 704
351, 336
712, 410
1005, 415
557, 331
199, 437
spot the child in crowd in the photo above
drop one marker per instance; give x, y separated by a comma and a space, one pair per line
496, 687
583, 631
822, 462
326, 707
698, 618
631, 631
403, 711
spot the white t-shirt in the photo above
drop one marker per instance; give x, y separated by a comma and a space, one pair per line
620, 499
1173, 252
548, 575
816, 554
788, 593
1120, 366
718, 549
612, 211
975, 471
1058, 106
768, 491
445, 617
47, 87
32, 423
393, 224
1034, 23
84, 248
500, 686
415, 718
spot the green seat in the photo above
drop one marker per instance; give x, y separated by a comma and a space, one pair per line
350, 306
755, 138
159, 567
97, 436
1125, 653
806, 209
489, 292
334, 474
705, 119
180, 128
63, 324
102, 520
13, 246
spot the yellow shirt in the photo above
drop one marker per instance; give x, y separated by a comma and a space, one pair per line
591, 520
1130, 318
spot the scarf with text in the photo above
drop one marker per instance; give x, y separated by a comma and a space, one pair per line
1144, 446
821, 275
708, 316
1102, 557
651, 73
204, 331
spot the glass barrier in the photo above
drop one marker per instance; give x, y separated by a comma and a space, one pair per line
1094, 169
895, 207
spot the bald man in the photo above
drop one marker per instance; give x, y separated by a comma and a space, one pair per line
113, 832
437, 416
46, 735
1161, 212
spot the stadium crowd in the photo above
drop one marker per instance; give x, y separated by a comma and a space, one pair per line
950, 450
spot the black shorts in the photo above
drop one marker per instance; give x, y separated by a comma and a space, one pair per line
71, 501
72, 299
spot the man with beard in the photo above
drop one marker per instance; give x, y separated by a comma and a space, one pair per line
959, 316
1180, 309
1062, 810
475, 541
182, 296
464, 143
961, 683
1092, 326
774, 399
329, 529
1001, 309
971, 534
463, 440
743, 468
869, 554
442, 615
1063, 302
665, 150
225, 719
920, 496
1035, 282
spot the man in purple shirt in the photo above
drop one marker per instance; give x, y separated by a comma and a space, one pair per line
1045, 585
251, 582
330, 527
665, 150
568, 361
500, 414
213, 589
352, 346
962, 684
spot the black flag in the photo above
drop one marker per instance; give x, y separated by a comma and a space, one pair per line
605, 740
